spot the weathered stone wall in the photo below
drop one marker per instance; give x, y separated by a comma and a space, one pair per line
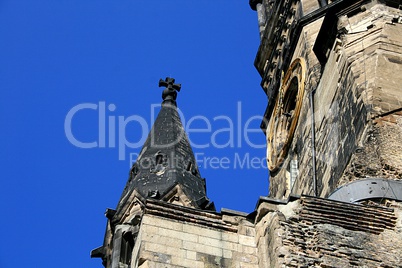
300, 149
374, 43
357, 105
379, 153
339, 117
314, 232
302, 232
165, 241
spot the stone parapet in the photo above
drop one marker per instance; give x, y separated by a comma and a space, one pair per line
176, 236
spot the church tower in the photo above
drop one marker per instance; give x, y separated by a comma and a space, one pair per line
331, 72
333, 123
165, 172
166, 169
164, 217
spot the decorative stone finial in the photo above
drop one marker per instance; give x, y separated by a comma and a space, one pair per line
169, 93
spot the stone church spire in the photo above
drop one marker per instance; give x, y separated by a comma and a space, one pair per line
165, 180
166, 168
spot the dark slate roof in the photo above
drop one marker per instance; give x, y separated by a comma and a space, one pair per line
167, 160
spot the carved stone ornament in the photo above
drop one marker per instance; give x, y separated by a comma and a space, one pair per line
286, 114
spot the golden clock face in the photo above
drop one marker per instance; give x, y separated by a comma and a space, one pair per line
284, 119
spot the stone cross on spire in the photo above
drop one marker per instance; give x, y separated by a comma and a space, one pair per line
169, 93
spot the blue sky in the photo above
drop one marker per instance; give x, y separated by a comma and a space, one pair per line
56, 56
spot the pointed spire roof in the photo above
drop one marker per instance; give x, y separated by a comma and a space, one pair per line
167, 160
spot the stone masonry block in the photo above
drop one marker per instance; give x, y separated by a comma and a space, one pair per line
227, 254
150, 229
193, 229
231, 237
187, 263
160, 248
232, 246
247, 240
248, 231
202, 248
155, 256
210, 241
163, 223
211, 261
249, 250
245, 258
164, 240
178, 235
191, 255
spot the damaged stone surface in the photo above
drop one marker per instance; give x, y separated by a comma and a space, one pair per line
380, 153
323, 233
357, 100
302, 232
